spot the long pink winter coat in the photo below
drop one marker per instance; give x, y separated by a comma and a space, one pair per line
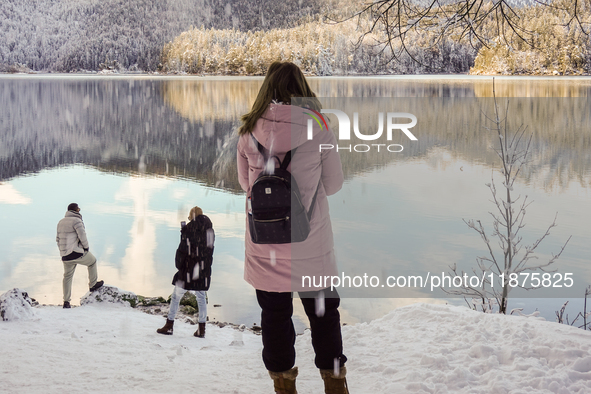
279, 267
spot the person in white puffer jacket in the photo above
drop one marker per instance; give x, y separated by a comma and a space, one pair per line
73, 245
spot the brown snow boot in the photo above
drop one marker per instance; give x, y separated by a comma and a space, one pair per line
167, 329
334, 384
284, 382
200, 333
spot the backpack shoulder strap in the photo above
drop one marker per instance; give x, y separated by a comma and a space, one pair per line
282, 164
259, 146
287, 158
313, 202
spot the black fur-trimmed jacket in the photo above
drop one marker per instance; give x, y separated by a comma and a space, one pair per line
194, 255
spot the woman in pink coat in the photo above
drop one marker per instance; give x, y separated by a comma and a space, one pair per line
277, 270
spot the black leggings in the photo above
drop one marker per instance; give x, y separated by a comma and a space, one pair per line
279, 334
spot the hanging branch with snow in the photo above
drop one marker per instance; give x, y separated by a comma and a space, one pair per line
481, 23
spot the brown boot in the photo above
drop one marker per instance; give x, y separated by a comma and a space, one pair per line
200, 333
167, 329
334, 384
284, 382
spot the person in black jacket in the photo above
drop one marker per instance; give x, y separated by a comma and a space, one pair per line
193, 260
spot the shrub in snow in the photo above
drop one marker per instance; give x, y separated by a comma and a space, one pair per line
112, 295
16, 304
499, 268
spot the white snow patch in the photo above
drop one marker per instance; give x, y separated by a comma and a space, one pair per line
419, 348
110, 294
16, 304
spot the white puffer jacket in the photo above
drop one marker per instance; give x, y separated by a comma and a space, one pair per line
71, 235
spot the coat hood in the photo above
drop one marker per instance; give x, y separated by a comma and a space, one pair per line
199, 223
72, 214
282, 119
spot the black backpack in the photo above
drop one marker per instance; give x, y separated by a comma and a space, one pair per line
276, 213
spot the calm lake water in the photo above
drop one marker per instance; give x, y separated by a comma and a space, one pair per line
137, 152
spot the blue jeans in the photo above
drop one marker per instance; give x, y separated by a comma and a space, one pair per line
175, 300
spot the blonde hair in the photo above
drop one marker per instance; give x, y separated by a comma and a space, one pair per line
194, 212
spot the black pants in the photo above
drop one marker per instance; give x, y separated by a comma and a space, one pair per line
279, 334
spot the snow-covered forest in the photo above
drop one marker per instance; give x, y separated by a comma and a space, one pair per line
74, 35
557, 48
318, 48
244, 37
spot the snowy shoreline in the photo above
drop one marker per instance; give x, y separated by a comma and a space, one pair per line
158, 306
176, 75
421, 348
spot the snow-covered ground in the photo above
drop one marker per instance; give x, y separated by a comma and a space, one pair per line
421, 348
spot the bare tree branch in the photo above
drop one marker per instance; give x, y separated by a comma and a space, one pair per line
479, 23
513, 151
